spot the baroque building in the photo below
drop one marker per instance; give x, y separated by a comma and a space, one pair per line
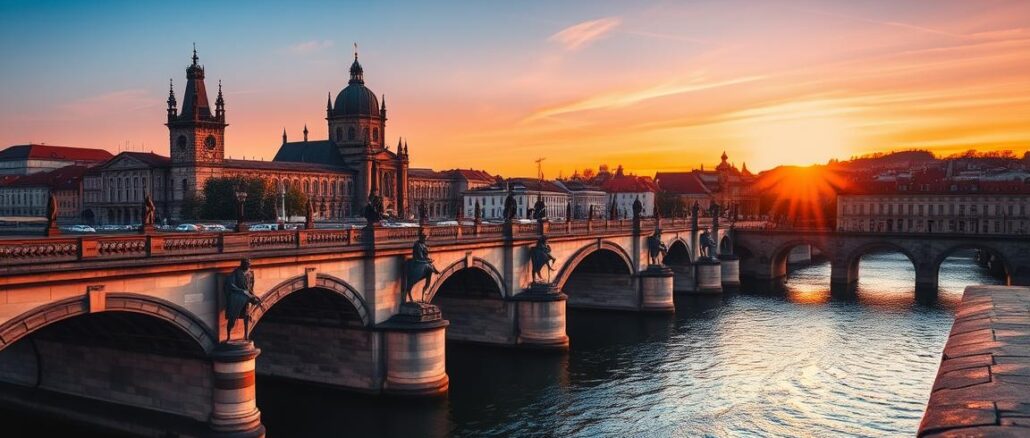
338, 173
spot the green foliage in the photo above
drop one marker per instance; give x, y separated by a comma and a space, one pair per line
219, 199
671, 205
296, 202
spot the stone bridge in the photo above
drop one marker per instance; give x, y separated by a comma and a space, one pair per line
136, 319
763, 254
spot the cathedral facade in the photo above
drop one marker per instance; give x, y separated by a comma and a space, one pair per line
338, 173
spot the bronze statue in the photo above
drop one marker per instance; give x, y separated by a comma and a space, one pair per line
419, 268
638, 207
51, 211
510, 207
539, 209
695, 209
591, 212
374, 209
707, 245
423, 213
239, 295
540, 257
568, 211
149, 211
656, 248
477, 212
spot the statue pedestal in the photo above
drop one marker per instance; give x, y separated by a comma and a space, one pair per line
708, 276
146, 229
656, 289
51, 230
415, 351
234, 409
730, 271
541, 317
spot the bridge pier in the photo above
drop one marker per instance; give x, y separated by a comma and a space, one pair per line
415, 352
730, 271
234, 409
656, 289
843, 276
708, 274
541, 318
926, 282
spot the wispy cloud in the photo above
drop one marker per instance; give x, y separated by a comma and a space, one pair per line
310, 46
580, 35
107, 103
623, 99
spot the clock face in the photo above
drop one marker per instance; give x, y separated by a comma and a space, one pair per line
209, 142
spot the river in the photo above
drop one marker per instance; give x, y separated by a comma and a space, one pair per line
790, 364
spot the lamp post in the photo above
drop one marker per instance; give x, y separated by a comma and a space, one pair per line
241, 198
282, 204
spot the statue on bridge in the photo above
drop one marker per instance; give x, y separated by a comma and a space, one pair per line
477, 213
374, 209
540, 209
239, 295
638, 207
510, 207
149, 211
656, 248
707, 245
423, 213
540, 257
419, 267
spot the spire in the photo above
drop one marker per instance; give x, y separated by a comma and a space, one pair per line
305, 132
195, 105
195, 58
220, 103
329, 104
171, 100
356, 72
724, 156
405, 147
400, 146
284, 135
382, 108
743, 169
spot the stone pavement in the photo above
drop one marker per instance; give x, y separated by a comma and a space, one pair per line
983, 383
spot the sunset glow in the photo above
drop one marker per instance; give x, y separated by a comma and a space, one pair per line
656, 87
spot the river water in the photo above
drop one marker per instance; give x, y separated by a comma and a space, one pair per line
798, 363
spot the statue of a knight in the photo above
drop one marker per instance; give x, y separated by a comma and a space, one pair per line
239, 295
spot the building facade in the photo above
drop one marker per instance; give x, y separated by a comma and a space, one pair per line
27, 195
925, 202
338, 173
32, 158
526, 192
726, 185
441, 191
584, 197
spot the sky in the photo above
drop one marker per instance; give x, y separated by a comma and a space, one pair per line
652, 85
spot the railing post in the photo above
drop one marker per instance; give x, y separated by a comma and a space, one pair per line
88, 248
155, 245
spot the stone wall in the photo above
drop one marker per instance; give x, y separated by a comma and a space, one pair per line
602, 291
344, 357
176, 385
483, 320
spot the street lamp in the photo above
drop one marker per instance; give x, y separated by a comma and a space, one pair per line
282, 203
241, 197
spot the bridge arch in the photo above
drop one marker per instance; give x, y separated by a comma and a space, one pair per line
482, 266
42, 316
855, 255
988, 249
679, 253
322, 282
581, 254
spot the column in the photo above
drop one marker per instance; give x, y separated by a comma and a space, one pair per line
234, 409
656, 289
415, 351
541, 318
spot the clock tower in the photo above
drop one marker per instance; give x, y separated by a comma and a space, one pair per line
196, 136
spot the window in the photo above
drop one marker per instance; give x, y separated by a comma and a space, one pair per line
181, 142
375, 134
339, 134
351, 133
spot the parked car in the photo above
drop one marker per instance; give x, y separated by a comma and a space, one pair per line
187, 227
218, 228
80, 229
264, 227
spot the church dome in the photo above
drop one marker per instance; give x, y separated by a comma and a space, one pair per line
356, 99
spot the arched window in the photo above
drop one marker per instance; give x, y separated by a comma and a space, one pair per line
325, 187
339, 134
307, 187
185, 186
375, 134
351, 133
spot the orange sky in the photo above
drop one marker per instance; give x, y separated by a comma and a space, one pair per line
658, 86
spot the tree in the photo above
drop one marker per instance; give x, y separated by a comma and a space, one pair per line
296, 202
670, 204
588, 173
219, 198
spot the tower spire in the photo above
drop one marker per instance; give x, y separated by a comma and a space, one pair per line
305, 132
356, 72
195, 58
220, 103
329, 104
171, 100
284, 135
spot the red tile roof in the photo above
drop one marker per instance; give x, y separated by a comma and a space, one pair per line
681, 183
629, 184
48, 152
65, 178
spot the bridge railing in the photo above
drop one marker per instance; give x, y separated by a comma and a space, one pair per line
60, 249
